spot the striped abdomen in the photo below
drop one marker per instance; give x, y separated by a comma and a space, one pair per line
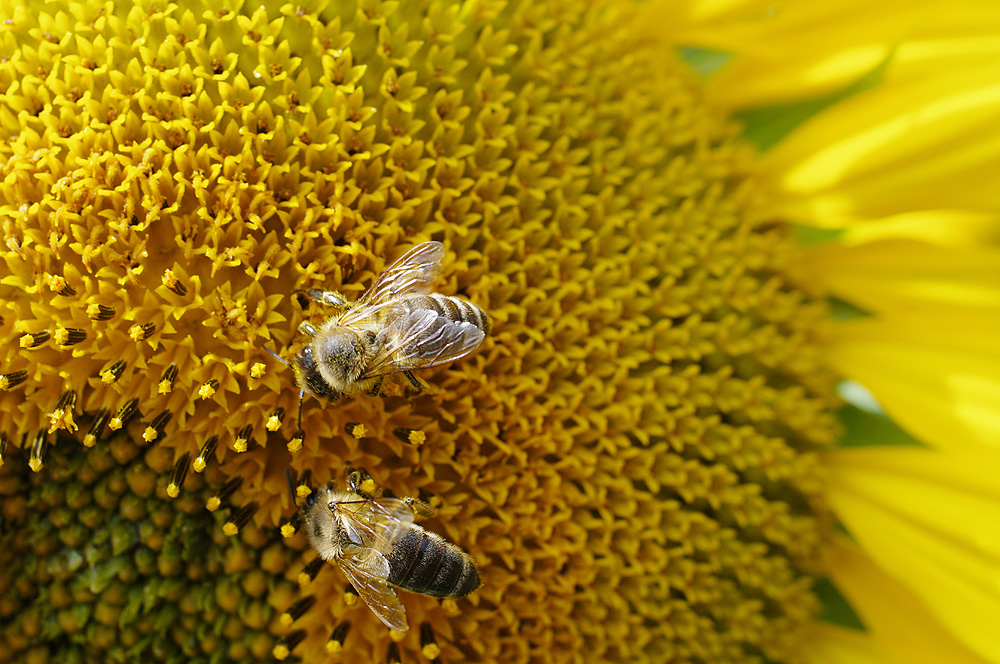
423, 562
452, 308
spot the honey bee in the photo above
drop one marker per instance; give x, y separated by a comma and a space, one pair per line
397, 326
377, 545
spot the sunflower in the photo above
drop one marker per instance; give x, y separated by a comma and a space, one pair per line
698, 228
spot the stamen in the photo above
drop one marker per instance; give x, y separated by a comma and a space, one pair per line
239, 519
396, 636
361, 482
206, 451
167, 379
113, 373
37, 451
156, 427
227, 489
274, 422
34, 339
100, 312
12, 379
3, 458
296, 610
141, 332
302, 487
57, 284
243, 438
69, 336
208, 389
178, 475
337, 638
288, 528
355, 430
62, 416
126, 411
350, 595
392, 652
281, 651
310, 571
171, 281
96, 427
428, 646
411, 436
258, 370
295, 443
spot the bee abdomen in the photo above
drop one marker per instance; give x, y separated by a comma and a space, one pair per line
423, 562
452, 308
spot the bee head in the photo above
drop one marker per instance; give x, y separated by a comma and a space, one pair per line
308, 377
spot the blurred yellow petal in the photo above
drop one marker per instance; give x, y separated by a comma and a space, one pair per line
951, 228
899, 626
939, 537
926, 143
939, 379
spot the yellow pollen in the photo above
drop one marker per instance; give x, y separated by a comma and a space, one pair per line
93, 310
280, 652
206, 390
417, 437
212, 504
56, 283
430, 651
136, 333
61, 418
302, 491
150, 434
35, 464
334, 647
230, 529
108, 377
258, 369
273, 423
286, 620
350, 599
198, 464
165, 386
115, 423
359, 431
288, 530
27, 341
295, 444
89, 440
240, 445
61, 336
173, 490
450, 607
396, 635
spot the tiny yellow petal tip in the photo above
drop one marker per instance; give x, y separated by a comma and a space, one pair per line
115, 424
89, 440
240, 445
164, 387
334, 647
273, 423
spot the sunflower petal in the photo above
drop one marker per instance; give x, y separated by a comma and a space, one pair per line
939, 537
831, 644
899, 626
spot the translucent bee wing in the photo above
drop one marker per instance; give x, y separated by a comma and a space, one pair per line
368, 571
378, 523
414, 272
423, 339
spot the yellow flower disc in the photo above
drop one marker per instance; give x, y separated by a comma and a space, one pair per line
629, 456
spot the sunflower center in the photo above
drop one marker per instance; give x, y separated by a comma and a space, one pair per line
630, 454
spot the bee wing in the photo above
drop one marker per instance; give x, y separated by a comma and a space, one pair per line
368, 571
422, 339
413, 273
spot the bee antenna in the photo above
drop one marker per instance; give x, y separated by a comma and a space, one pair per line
291, 489
277, 357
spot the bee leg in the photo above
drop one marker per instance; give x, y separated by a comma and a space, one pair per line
377, 387
327, 297
417, 384
307, 328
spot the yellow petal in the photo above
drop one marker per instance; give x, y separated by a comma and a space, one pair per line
940, 538
938, 378
899, 626
921, 144
830, 644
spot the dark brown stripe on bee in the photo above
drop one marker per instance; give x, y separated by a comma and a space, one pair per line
423, 562
452, 308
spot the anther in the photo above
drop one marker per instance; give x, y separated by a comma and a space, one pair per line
37, 451
141, 332
302, 488
34, 339
239, 519
57, 284
97, 427
62, 416
428, 646
274, 422
411, 436
167, 379
100, 312
204, 453
310, 571
337, 638
126, 411
258, 369
397, 635
288, 528
355, 430
295, 442
243, 438
361, 482
285, 647
177, 475
113, 373
69, 336
392, 652
350, 595
12, 379
156, 427
208, 389
296, 610
171, 281
224, 492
